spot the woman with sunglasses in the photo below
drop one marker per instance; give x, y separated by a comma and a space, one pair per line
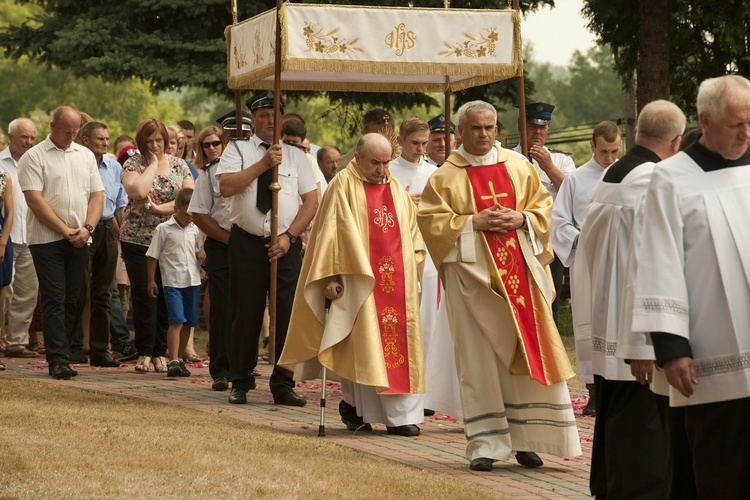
210, 213
151, 180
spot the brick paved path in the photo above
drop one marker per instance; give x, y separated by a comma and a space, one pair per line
440, 448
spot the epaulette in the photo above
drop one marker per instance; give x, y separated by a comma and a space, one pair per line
298, 146
558, 151
210, 164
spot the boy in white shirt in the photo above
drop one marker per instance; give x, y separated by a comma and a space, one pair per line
177, 248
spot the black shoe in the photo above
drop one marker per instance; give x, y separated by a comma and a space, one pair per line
61, 371
72, 371
529, 459
350, 418
289, 399
173, 369
481, 464
589, 409
127, 352
403, 430
104, 360
428, 413
237, 396
220, 384
184, 372
77, 357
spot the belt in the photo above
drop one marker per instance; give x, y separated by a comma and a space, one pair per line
264, 239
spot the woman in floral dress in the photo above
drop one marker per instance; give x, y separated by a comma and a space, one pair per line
151, 181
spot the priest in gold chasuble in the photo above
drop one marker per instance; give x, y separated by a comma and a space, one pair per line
485, 218
365, 255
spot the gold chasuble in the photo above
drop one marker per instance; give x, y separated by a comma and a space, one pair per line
367, 234
517, 273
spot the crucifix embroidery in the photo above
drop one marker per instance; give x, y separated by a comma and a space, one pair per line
493, 195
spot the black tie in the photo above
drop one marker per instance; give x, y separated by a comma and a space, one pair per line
263, 202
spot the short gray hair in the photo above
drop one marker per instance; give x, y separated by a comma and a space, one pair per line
476, 107
712, 93
364, 143
16, 124
660, 121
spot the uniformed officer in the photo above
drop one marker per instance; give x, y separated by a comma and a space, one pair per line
228, 124
244, 175
436, 145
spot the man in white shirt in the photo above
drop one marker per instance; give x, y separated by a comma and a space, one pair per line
567, 218
692, 288
65, 196
244, 175
21, 296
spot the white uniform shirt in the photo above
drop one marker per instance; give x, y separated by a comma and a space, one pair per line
10, 167
207, 198
562, 161
295, 178
175, 247
66, 180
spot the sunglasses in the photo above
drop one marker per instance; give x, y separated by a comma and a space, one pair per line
214, 144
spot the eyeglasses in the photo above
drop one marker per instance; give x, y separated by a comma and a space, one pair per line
214, 144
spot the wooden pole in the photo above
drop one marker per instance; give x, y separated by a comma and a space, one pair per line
447, 4
238, 92
521, 99
275, 187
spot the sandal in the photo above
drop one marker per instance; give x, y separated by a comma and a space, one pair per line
191, 358
143, 364
160, 364
37, 347
2, 366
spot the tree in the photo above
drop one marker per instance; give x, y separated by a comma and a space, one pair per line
175, 43
705, 39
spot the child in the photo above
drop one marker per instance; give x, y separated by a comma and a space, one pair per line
176, 246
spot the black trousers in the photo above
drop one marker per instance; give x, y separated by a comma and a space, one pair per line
629, 456
102, 265
60, 268
250, 274
150, 320
680, 475
220, 315
557, 270
718, 437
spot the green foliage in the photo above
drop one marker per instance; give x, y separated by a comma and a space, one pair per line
706, 39
178, 43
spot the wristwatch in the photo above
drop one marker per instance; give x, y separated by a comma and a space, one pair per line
525, 220
292, 239
89, 228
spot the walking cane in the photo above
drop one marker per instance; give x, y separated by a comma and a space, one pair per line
322, 426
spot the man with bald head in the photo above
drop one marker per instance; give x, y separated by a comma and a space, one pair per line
22, 293
366, 260
64, 192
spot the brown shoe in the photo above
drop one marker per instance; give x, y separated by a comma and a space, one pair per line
37, 347
20, 352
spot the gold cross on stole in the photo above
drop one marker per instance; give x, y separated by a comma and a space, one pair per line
494, 196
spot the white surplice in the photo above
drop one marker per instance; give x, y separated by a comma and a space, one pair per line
568, 214
693, 277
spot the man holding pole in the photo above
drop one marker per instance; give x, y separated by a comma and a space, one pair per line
245, 174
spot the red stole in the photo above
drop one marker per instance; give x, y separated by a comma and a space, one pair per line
387, 263
491, 184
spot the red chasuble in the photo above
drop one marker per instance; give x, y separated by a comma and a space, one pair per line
491, 184
387, 263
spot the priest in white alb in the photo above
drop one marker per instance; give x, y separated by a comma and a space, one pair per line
485, 218
692, 287
364, 255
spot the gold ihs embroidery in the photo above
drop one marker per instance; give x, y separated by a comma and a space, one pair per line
383, 218
400, 39
386, 270
389, 318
